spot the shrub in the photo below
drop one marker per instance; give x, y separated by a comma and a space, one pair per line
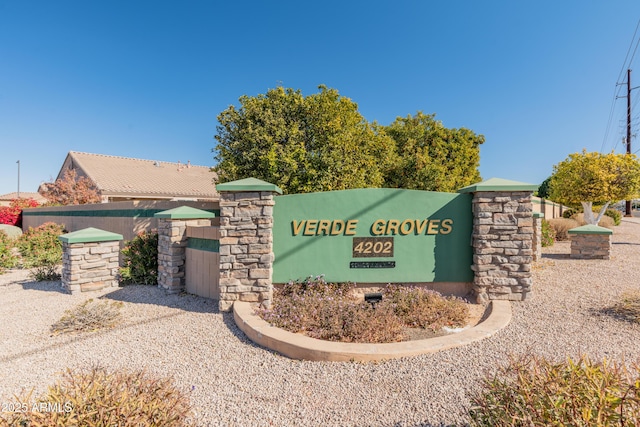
615, 215
88, 317
97, 397
605, 221
331, 312
140, 259
569, 213
40, 246
548, 234
422, 308
45, 273
561, 226
12, 214
536, 392
7, 259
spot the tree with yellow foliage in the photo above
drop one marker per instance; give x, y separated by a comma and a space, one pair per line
595, 178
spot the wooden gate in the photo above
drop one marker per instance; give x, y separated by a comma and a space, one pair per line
202, 262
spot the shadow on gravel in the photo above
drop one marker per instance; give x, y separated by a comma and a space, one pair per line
230, 322
44, 286
150, 294
431, 425
556, 256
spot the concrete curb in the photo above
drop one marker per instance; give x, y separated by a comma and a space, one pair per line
297, 346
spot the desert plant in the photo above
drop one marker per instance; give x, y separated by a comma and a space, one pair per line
533, 391
40, 246
548, 234
88, 317
98, 397
424, 308
331, 311
561, 226
45, 273
628, 308
605, 221
615, 214
7, 259
140, 259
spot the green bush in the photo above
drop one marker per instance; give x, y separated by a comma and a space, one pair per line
140, 259
97, 397
536, 392
570, 212
7, 259
40, 246
548, 234
615, 214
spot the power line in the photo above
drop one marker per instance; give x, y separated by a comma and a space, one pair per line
618, 87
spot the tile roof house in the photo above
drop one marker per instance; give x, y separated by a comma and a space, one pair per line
5, 199
121, 178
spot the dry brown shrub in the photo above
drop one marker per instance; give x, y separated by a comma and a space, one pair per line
561, 226
605, 221
98, 397
88, 317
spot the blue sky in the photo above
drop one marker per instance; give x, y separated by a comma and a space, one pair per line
147, 79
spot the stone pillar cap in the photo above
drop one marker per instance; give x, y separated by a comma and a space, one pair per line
184, 212
89, 235
249, 184
590, 229
498, 184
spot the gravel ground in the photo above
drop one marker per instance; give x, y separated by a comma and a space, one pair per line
232, 382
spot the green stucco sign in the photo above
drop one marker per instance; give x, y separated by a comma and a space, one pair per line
373, 235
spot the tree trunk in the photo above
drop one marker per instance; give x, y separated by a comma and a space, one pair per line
588, 213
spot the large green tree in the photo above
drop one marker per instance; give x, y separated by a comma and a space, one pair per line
432, 157
594, 178
319, 142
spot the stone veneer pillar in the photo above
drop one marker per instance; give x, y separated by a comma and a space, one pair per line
246, 242
537, 235
172, 243
502, 239
89, 260
590, 242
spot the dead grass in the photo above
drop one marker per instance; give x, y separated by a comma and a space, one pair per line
88, 317
628, 308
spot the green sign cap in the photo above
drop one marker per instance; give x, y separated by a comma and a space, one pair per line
184, 212
498, 184
88, 235
249, 184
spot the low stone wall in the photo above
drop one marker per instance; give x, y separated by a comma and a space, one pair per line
89, 260
590, 242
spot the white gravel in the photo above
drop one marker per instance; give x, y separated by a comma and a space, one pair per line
232, 382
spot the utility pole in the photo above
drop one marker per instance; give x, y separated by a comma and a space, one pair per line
628, 202
18, 162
